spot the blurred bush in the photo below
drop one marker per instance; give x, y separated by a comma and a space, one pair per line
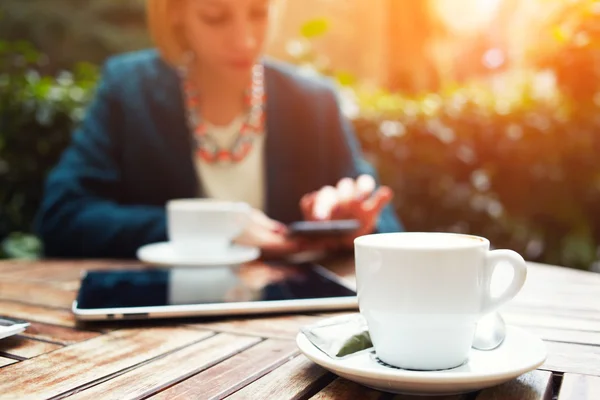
523, 171
70, 31
570, 48
513, 158
37, 114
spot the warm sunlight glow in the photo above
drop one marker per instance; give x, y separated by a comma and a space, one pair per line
466, 16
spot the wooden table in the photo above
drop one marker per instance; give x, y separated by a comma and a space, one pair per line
254, 357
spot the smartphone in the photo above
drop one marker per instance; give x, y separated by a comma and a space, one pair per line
315, 229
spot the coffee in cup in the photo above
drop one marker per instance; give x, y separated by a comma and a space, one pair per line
195, 226
422, 294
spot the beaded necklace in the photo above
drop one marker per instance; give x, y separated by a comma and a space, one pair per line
253, 126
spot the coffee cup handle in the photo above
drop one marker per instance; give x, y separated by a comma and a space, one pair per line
519, 266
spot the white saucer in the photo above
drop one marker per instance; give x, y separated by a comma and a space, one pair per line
521, 352
163, 254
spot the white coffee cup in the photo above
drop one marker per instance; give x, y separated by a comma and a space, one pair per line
195, 226
423, 293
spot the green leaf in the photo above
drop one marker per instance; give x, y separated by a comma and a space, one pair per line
345, 78
314, 28
23, 246
578, 249
560, 34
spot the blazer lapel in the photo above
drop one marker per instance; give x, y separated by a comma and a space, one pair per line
281, 150
273, 144
176, 131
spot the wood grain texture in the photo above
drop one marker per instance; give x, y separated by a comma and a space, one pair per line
579, 387
295, 379
342, 389
566, 310
539, 320
560, 305
31, 313
573, 358
535, 385
92, 361
279, 327
23, 347
566, 335
37, 294
175, 367
234, 373
6, 361
60, 270
57, 334
442, 397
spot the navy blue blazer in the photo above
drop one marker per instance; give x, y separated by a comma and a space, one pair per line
133, 153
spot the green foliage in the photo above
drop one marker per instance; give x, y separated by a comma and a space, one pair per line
523, 171
70, 31
37, 114
22, 246
314, 28
571, 49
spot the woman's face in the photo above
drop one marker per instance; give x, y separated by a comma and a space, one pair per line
226, 36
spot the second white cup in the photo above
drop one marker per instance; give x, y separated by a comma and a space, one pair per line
423, 293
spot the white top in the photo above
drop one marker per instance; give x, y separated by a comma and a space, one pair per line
243, 181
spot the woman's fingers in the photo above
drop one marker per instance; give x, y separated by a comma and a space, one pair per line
382, 196
346, 189
365, 185
351, 194
348, 199
326, 200
307, 204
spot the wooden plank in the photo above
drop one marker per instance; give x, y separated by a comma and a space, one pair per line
533, 319
295, 379
31, 313
234, 373
535, 385
44, 272
579, 387
564, 309
58, 334
93, 361
67, 270
22, 347
6, 361
279, 327
566, 335
150, 378
342, 389
573, 358
537, 271
15, 264
441, 397
37, 294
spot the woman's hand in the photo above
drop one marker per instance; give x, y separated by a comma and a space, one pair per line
267, 234
350, 199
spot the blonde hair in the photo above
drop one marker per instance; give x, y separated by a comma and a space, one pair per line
166, 35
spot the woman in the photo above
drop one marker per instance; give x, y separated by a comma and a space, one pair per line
206, 115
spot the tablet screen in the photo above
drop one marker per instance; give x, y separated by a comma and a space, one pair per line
192, 286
